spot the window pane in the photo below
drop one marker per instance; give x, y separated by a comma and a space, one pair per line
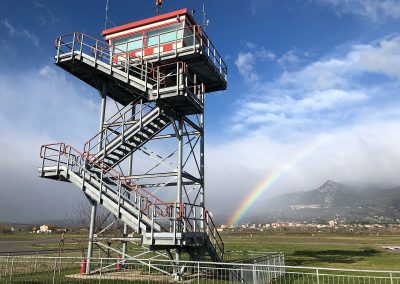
128, 43
164, 35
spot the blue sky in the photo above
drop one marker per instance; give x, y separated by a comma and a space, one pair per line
299, 72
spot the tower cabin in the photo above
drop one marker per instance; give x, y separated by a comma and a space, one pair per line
167, 39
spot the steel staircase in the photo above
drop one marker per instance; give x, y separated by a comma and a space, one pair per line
147, 95
120, 196
127, 133
129, 202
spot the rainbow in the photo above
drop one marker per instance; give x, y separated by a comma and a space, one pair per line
272, 178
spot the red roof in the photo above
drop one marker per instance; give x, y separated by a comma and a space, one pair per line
149, 21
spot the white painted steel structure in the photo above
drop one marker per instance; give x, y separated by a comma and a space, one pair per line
159, 198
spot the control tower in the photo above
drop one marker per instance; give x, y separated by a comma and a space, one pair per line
145, 166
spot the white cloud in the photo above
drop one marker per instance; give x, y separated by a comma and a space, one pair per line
322, 90
289, 57
373, 9
382, 57
12, 30
350, 99
367, 152
246, 61
38, 107
49, 13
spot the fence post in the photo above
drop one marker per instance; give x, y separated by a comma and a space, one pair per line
317, 275
198, 272
101, 270
148, 280
11, 270
8, 260
391, 278
54, 270
36, 261
254, 275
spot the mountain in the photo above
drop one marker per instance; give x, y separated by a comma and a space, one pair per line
334, 200
330, 194
387, 198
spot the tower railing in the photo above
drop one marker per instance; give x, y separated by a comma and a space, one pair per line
179, 216
77, 44
182, 220
177, 77
196, 222
61, 155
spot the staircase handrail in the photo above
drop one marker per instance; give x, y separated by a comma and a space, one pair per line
88, 147
122, 110
79, 160
214, 234
127, 184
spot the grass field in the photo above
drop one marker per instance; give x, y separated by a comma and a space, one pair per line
322, 249
305, 249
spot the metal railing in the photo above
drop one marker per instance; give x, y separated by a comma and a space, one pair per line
180, 219
177, 78
132, 115
272, 270
75, 45
123, 190
78, 44
109, 180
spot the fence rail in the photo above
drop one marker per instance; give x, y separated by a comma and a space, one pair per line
264, 269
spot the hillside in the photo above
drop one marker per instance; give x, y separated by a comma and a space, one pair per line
336, 200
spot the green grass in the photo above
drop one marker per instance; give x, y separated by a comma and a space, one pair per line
321, 249
356, 251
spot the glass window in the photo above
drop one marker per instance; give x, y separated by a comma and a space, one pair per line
128, 43
163, 35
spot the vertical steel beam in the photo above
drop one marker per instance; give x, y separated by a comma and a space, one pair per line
179, 162
202, 190
103, 94
179, 174
91, 233
130, 173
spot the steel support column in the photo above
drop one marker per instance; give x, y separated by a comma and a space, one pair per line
202, 191
103, 94
125, 232
179, 172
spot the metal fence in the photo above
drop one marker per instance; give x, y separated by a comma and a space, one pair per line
264, 269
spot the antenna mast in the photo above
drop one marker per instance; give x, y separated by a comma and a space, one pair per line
205, 20
106, 19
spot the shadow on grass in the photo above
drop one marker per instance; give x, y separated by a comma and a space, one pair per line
307, 257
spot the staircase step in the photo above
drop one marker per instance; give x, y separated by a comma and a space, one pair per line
115, 155
148, 132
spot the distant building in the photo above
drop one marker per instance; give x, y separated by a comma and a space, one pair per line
44, 229
332, 223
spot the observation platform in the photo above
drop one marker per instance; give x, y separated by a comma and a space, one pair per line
169, 38
89, 60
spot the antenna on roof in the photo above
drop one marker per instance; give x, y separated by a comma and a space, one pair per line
159, 3
205, 20
106, 19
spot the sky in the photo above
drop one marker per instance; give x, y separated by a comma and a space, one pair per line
313, 94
